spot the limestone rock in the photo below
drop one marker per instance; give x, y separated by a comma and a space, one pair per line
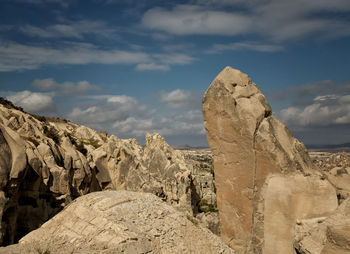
249, 145
210, 220
102, 222
46, 163
201, 163
325, 235
157, 169
336, 167
289, 198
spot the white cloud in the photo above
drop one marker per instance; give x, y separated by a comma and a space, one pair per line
253, 46
70, 30
122, 99
276, 20
191, 115
45, 84
33, 102
127, 117
190, 19
165, 126
307, 94
15, 56
324, 111
66, 88
180, 99
152, 67
326, 97
109, 110
163, 62
174, 58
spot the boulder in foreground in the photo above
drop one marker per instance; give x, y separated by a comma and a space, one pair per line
119, 222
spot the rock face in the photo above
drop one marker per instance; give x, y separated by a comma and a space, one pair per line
328, 234
336, 167
325, 235
46, 163
157, 169
201, 162
203, 171
261, 171
101, 222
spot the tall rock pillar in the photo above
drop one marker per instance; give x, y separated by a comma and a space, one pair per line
254, 153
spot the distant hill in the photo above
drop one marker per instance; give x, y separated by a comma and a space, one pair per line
187, 147
345, 147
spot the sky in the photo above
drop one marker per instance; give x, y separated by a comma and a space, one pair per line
131, 66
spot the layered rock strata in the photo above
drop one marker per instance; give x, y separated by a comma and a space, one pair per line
120, 222
325, 235
263, 175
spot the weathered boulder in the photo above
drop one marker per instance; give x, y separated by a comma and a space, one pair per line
325, 235
209, 220
336, 167
287, 199
120, 222
255, 153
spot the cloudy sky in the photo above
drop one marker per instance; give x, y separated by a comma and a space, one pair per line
131, 66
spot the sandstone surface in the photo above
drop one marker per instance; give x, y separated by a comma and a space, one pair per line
325, 235
157, 169
254, 153
336, 167
120, 222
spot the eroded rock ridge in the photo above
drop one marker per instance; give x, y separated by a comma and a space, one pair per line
119, 222
46, 163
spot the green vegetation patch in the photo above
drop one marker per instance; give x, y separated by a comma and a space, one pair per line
93, 143
204, 207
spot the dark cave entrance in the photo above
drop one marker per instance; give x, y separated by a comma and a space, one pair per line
30, 204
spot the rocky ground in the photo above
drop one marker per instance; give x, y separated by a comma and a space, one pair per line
336, 168
201, 164
102, 222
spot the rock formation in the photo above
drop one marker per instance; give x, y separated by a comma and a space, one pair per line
328, 234
46, 163
336, 167
203, 172
119, 222
325, 235
265, 178
157, 169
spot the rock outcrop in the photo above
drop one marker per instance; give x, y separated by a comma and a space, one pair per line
336, 167
264, 177
201, 163
325, 235
157, 169
102, 222
46, 163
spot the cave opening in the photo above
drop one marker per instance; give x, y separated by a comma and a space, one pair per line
29, 206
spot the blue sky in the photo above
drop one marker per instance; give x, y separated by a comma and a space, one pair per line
134, 66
